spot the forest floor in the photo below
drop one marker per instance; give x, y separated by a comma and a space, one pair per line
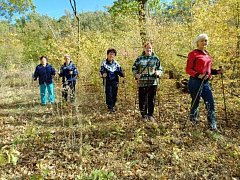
82, 141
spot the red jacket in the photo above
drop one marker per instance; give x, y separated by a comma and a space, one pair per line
199, 63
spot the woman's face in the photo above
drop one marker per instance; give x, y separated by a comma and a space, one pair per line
202, 43
67, 59
110, 56
148, 50
44, 61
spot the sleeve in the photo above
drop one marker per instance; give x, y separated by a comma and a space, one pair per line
53, 72
61, 74
35, 74
120, 71
75, 71
159, 68
190, 63
102, 68
135, 67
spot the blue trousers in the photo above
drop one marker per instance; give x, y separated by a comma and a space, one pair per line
206, 93
111, 90
44, 88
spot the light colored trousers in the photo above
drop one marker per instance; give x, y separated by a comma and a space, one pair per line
44, 88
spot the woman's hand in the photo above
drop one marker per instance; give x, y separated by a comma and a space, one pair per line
202, 76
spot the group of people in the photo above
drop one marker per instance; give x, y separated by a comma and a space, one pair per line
44, 72
146, 70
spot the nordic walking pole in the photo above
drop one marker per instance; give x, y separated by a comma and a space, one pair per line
137, 90
32, 90
224, 99
104, 85
125, 90
135, 102
203, 79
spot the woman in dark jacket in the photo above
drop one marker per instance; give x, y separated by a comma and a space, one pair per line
44, 73
110, 71
69, 73
199, 67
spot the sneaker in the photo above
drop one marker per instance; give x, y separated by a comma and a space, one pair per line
152, 119
194, 120
212, 126
144, 118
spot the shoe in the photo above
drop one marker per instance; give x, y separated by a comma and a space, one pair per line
152, 119
111, 110
212, 126
144, 118
194, 120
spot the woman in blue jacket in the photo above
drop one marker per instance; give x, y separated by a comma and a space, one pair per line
44, 73
69, 73
110, 71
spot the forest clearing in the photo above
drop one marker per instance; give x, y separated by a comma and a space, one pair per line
81, 139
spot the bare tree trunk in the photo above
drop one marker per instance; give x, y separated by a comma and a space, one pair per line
74, 8
143, 19
238, 26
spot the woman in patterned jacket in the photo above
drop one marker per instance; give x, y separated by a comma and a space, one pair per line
146, 70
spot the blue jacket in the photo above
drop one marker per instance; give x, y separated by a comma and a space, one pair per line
44, 74
113, 70
64, 72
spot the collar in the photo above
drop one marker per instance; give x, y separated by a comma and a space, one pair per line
108, 62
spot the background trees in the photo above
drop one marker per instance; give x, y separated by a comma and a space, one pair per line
38, 144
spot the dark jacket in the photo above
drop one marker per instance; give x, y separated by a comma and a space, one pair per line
113, 70
44, 74
64, 72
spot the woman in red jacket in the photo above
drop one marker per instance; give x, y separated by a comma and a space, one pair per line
199, 67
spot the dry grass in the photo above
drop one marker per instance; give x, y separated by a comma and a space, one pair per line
80, 140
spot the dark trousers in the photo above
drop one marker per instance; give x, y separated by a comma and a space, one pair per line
69, 86
146, 97
111, 90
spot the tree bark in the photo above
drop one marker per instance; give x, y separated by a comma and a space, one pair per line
143, 19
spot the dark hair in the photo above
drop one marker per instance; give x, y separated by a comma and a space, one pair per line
112, 50
44, 57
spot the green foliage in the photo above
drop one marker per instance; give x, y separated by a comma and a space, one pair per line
9, 7
99, 174
9, 155
11, 48
95, 21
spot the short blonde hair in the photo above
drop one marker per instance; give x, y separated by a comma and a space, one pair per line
147, 43
200, 37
